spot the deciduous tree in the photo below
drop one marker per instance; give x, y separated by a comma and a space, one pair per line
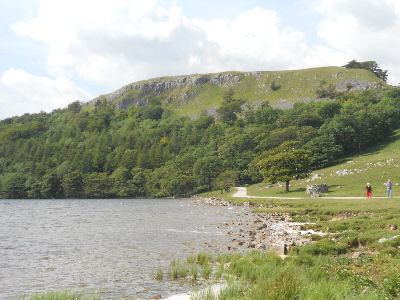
284, 163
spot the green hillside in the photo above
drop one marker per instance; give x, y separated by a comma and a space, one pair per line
348, 179
190, 95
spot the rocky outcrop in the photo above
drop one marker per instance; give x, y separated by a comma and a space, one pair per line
253, 87
140, 92
356, 85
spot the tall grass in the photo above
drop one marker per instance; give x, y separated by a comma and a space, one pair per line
261, 275
62, 295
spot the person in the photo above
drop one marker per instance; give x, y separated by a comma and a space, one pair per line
389, 188
369, 190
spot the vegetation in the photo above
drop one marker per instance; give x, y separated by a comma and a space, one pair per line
284, 163
357, 258
370, 66
149, 151
62, 295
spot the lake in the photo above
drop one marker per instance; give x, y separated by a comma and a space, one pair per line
114, 246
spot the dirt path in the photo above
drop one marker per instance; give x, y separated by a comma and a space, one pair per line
242, 193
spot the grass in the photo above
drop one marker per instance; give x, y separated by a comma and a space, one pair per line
375, 166
263, 275
357, 258
62, 295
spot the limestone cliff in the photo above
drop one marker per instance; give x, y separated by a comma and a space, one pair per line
192, 94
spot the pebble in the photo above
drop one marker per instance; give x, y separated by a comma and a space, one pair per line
264, 231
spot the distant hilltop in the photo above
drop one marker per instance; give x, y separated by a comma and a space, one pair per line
192, 94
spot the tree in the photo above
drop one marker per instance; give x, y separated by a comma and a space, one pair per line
97, 185
229, 108
225, 181
207, 168
285, 163
51, 186
13, 186
324, 151
72, 184
370, 66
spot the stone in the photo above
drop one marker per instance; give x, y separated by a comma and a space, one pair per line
356, 255
316, 189
260, 246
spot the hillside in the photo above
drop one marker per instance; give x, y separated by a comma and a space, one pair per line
150, 151
189, 95
348, 178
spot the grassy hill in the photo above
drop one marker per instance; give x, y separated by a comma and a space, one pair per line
190, 95
347, 179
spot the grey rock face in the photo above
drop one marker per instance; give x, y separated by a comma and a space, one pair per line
316, 189
356, 85
143, 91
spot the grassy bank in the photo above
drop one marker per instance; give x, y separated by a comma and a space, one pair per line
359, 255
358, 258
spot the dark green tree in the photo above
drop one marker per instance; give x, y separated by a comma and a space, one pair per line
51, 186
72, 184
97, 185
206, 169
225, 181
230, 108
284, 163
13, 186
370, 65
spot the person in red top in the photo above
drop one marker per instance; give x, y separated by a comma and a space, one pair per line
369, 190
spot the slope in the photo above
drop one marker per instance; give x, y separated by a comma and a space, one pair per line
348, 179
192, 94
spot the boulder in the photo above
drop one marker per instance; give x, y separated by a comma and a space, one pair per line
316, 189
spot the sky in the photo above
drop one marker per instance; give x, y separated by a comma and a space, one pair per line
54, 52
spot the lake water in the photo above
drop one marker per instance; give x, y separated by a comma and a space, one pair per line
115, 246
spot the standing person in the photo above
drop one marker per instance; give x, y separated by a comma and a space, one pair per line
369, 190
389, 188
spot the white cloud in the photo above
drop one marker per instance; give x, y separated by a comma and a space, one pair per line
22, 92
112, 43
364, 30
116, 42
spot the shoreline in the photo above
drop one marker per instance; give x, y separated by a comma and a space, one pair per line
275, 232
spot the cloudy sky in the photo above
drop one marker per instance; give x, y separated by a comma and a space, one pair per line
53, 52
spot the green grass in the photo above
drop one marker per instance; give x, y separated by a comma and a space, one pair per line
350, 261
375, 166
263, 275
62, 295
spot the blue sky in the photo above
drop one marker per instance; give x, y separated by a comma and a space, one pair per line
53, 52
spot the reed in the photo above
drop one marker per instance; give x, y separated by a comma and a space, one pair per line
62, 295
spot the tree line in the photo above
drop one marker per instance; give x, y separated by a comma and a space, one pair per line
149, 151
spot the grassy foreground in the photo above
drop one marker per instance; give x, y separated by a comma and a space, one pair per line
359, 255
358, 258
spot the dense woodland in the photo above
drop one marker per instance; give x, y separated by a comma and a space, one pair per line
96, 151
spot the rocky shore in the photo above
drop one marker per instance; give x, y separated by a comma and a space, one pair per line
265, 231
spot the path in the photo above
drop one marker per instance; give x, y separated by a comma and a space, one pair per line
242, 193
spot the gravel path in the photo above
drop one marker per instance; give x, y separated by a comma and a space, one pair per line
242, 193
